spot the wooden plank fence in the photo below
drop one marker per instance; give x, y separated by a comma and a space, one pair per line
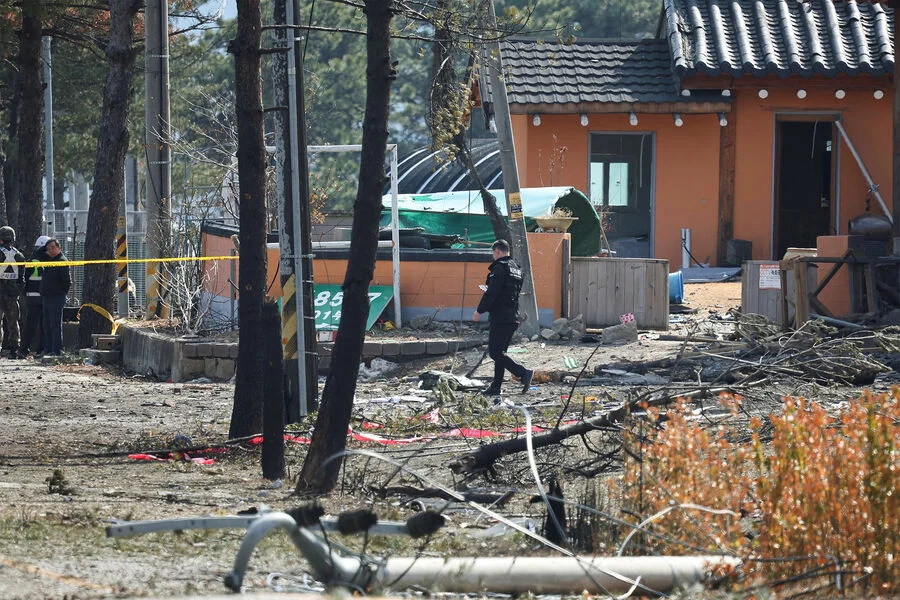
604, 288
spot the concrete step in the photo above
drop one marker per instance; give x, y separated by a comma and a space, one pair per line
101, 357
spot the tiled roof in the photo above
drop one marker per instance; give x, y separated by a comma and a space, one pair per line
783, 37
584, 72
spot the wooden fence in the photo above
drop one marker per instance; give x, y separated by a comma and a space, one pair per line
604, 288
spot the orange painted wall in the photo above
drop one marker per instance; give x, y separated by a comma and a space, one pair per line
217, 273
422, 284
686, 178
455, 284
868, 123
687, 160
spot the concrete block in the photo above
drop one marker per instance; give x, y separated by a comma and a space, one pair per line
148, 353
371, 349
190, 350
209, 366
390, 348
220, 350
224, 369
436, 347
232, 351
204, 350
452, 346
193, 367
412, 348
619, 334
101, 357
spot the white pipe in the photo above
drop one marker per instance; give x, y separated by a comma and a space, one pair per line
551, 575
865, 171
346, 244
685, 248
395, 236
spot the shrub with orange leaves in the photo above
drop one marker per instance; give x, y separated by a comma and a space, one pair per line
830, 487
825, 488
681, 462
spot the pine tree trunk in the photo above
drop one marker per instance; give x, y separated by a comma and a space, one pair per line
3, 218
30, 160
246, 414
330, 435
109, 170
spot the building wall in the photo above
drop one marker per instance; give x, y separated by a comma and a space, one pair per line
687, 159
686, 170
446, 290
868, 122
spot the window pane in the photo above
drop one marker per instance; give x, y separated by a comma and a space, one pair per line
597, 183
618, 184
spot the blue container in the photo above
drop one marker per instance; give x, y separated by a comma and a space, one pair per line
676, 288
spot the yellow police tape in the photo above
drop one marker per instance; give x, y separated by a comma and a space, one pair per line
103, 313
114, 261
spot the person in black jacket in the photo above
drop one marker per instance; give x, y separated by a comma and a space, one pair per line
55, 282
34, 313
501, 300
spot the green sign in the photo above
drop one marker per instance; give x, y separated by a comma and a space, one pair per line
329, 298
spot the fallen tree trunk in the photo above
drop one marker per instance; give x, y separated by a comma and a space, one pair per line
485, 456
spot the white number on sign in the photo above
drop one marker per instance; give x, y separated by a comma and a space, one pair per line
338, 298
322, 298
374, 295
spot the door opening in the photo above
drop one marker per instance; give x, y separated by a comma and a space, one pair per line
621, 177
804, 198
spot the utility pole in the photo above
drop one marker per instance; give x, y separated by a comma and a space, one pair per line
494, 63
157, 150
300, 360
49, 205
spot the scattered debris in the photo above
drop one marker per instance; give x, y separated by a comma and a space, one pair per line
376, 368
428, 379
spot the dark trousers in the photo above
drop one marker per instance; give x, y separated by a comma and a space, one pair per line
33, 326
498, 341
53, 313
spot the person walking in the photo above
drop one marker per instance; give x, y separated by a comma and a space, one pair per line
501, 300
12, 284
55, 282
34, 328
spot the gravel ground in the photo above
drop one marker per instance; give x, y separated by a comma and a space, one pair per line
65, 474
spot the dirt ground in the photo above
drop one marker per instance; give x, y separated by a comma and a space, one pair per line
68, 430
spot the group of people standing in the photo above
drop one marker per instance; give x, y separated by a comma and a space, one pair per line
44, 290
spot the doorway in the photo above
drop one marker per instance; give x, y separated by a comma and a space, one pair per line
804, 183
621, 189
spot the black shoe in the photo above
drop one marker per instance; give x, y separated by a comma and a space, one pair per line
490, 391
13, 355
527, 376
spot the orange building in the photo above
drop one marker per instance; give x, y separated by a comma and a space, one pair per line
750, 121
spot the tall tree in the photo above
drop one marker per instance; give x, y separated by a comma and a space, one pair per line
246, 415
330, 434
30, 158
109, 171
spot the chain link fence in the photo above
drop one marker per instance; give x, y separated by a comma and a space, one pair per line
69, 227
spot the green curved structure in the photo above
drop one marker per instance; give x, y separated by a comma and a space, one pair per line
462, 214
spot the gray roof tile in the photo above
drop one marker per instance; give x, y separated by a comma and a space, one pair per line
608, 71
783, 37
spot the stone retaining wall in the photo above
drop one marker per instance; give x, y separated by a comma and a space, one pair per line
179, 359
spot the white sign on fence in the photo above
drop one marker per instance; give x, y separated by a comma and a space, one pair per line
769, 276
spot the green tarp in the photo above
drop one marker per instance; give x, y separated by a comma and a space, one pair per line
455, 213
